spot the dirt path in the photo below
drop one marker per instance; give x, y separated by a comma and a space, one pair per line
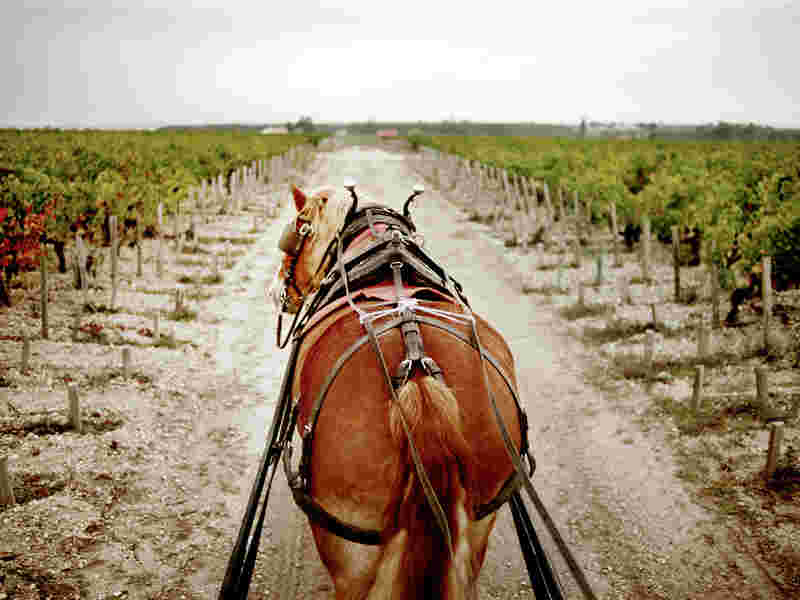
159, 520
615, 500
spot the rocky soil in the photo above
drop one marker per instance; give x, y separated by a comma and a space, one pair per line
146, 501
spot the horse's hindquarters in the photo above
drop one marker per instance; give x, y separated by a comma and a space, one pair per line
361, 471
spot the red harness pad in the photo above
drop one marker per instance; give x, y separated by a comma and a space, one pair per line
384, 292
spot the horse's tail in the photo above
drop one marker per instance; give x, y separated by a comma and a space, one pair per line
434, 419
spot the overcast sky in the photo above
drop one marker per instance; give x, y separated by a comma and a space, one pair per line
127, 62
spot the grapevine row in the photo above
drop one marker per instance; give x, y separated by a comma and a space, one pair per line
742, 197
54, 183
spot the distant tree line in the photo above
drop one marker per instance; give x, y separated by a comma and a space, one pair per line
721, 131
724, 131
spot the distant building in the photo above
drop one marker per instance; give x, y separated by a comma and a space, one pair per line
274, 130
386, 133
341, 132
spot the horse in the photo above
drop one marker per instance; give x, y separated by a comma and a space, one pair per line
401, 475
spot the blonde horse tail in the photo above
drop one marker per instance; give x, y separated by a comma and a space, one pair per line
434, 419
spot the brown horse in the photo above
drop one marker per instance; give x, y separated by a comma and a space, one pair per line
362, 471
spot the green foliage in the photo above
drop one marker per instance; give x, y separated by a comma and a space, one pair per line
54, 183
742, 196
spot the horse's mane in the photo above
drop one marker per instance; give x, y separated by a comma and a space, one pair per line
326, 209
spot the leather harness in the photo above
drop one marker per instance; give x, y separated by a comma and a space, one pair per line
394, 255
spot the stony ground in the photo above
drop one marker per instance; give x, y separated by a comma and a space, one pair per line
146, 502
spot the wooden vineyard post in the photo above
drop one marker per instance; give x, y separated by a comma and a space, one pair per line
578, 231
548, 205
766, 296
215, 266
139, 271
697, 390
714, 272
178, 300
191, 235
43, 292
703, 342
654, 315
6, 489
624, 290
176, 224
26, 352
676, 261
156, 328
761, 388
649, 349
84, 276
511, 202
588, 216
646, 249
159, 261
614, 234
599, 275
74, 409
478, 193
114, 260
577, 250
774, 450
126, 362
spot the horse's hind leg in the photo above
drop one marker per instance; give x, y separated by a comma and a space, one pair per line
352, 566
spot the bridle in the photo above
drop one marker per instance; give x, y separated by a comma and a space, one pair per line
292, 241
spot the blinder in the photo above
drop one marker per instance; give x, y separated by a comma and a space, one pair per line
292, 238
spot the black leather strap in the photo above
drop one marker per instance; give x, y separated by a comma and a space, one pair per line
319, 515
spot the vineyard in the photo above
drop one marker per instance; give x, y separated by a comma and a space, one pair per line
54, 184
744, 198
129, 435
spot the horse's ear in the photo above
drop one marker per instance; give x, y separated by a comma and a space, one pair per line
299, 198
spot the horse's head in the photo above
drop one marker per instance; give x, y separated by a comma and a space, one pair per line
304, 243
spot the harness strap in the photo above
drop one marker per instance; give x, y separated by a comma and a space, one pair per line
425, 482
575, 568
371, 223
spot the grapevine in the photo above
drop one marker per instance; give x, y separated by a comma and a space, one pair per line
742, 197
55, 184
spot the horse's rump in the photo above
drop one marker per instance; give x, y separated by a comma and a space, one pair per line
355, 460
